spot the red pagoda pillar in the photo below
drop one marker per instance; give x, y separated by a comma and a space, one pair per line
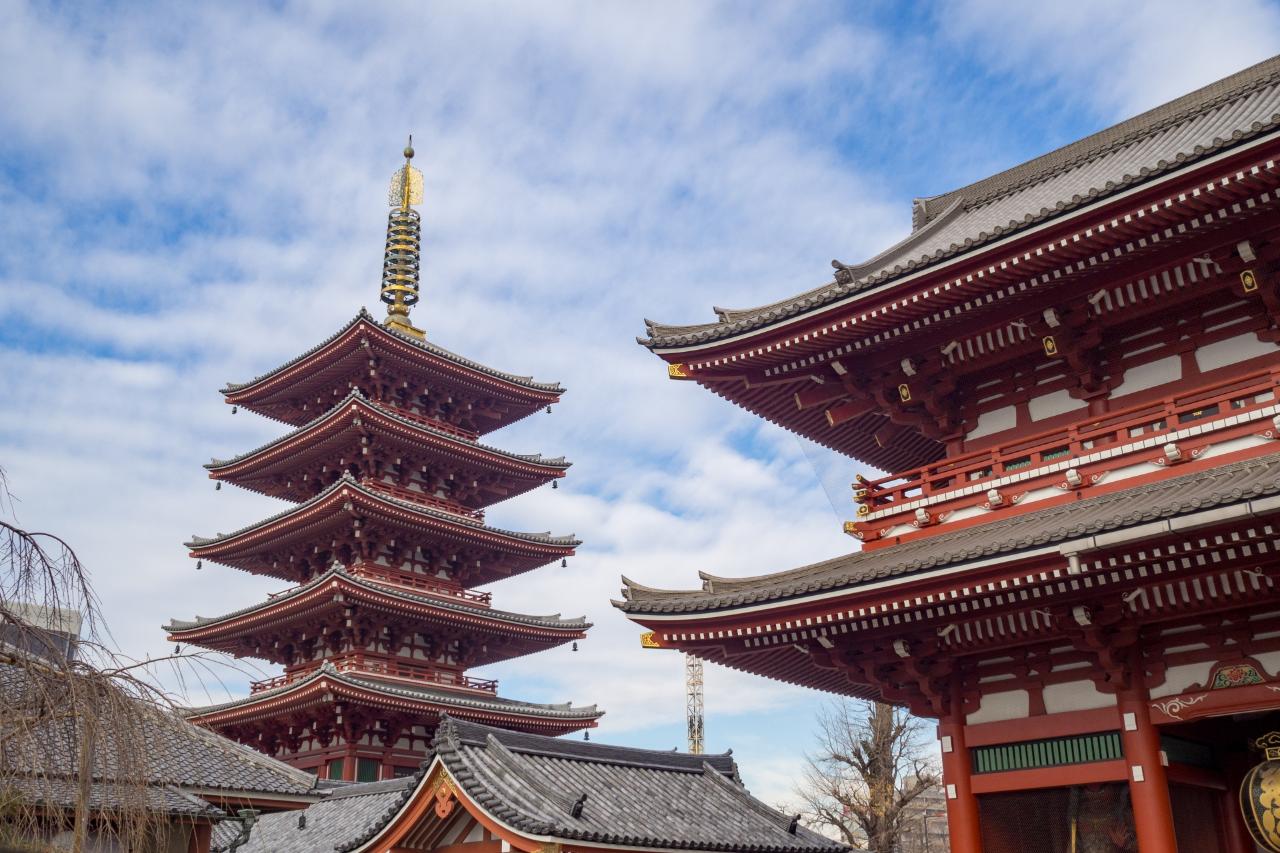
962, 806
1148, 782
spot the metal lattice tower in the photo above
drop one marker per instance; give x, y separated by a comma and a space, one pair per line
693, 701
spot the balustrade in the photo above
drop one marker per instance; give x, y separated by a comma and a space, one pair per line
1124, 426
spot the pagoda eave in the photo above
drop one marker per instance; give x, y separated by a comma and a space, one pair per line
329, 687
348, 354
291, 466
347, 509
335, 593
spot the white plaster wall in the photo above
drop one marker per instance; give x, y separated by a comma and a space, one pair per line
1008, 705
1075, 696
994, 421
1179, 678
1270, 662
1050, 405
1232, 350
1234, 444
1151, 375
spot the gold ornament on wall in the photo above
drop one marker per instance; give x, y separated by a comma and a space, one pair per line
1260, 795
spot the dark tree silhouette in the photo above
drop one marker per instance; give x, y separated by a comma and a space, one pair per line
870, 765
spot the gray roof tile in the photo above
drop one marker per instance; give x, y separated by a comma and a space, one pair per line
554, 620
1229, 112
440, 696
635, 797
1227, 484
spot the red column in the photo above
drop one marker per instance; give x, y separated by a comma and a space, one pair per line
962, 805
1148, 782
199, 842
1235, 834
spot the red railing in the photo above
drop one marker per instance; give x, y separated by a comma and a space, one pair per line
420, 583
360, 665
411, 496
1159, 417
456, 431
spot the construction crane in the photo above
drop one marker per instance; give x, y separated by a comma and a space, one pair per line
692, 693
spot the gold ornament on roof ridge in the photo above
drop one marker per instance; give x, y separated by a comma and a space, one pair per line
402, 261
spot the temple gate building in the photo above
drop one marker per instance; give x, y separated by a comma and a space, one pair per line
1069, 372
384, 543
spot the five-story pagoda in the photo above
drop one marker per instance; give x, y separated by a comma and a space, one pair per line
384, 542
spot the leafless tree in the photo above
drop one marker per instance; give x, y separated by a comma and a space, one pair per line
75, 773
871, 766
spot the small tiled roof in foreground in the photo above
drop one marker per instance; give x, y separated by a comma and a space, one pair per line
637, 798
1230, 112
1234, 483
345, 814
185, 763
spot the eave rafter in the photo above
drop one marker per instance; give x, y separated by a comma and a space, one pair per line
364, 439
874, 340
354, 522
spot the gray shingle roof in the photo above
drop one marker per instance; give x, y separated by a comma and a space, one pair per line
553, 621
346, 814
460, 702
428, 347
635, 797
1193, 127
183, 763
1228, 484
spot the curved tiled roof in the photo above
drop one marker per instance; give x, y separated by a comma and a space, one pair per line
530, 783
639, 798
348, 481
1227, 484
439, 696
552, 621
180, 756
430, 348
347, 813
356, 396
1227, 113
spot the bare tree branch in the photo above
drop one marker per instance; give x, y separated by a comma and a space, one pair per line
870, 766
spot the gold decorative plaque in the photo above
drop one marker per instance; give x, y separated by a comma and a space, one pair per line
1260, 795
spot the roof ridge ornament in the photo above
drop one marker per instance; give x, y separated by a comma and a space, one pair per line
401, 261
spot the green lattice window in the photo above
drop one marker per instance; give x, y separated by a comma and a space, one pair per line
1054, 752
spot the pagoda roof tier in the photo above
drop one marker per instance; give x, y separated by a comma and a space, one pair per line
1196, 126
494, 635
328, 685
366, 354
335, 526
1001, 585
882, 363
292, 466
870, 572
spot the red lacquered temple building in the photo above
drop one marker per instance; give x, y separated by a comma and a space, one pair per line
1069, 370
384, 541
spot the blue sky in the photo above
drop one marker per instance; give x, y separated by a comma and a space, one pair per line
192, 193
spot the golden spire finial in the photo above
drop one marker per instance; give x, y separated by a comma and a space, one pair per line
404, 233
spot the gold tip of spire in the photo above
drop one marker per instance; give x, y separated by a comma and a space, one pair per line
401, 262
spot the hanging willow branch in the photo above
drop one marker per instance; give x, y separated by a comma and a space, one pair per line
76, 770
